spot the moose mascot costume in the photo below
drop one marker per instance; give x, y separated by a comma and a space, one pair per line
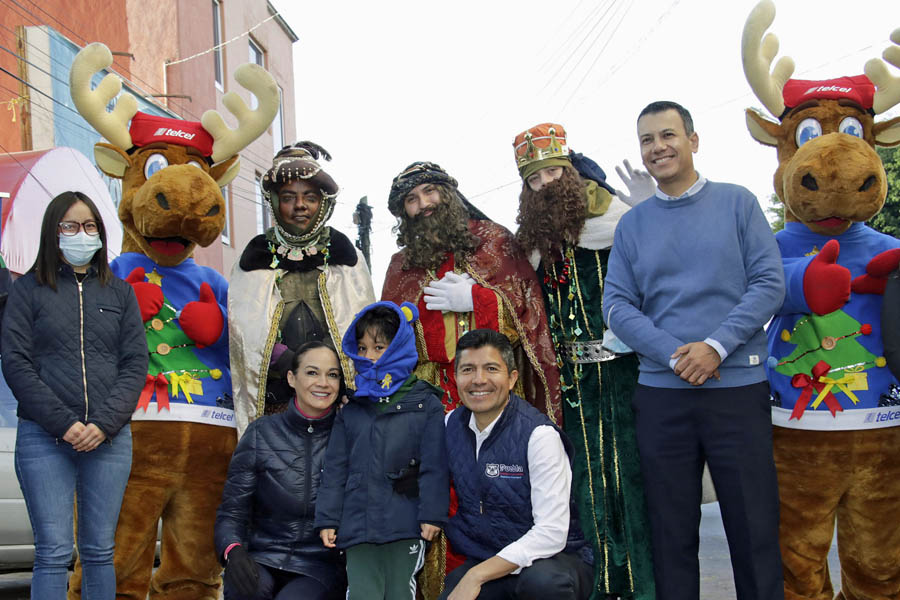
836, 405
183, 427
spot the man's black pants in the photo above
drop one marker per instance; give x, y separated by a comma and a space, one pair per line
731, 429
563, 576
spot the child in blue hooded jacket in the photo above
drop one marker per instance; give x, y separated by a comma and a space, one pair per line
384, 490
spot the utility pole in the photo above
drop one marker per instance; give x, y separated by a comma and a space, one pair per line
362, 217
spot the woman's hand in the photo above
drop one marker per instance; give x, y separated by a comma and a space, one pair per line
328, 537
74, 432
91, 436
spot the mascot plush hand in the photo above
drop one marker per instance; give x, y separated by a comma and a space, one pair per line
183, 427
836, 405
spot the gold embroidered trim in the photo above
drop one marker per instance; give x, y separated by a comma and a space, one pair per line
346, 365
523, 338
587, 454
602, 476
587, 323
267, 355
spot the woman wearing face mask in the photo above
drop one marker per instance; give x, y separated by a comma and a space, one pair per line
75, 357
264, 527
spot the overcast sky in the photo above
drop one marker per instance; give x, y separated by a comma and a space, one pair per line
382, 84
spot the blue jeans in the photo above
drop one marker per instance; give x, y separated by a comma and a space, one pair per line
50, 473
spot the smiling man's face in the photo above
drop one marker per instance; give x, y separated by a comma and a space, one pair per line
422, 199
484, 381
668, 151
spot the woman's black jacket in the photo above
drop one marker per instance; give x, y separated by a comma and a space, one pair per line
269, 500
77, 353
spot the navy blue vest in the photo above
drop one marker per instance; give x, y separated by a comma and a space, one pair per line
494, 491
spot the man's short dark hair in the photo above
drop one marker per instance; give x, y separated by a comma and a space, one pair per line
479, 338
664, 105
381, 321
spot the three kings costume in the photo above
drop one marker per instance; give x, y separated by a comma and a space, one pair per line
598, 376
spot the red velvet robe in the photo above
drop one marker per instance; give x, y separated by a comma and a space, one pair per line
507, 298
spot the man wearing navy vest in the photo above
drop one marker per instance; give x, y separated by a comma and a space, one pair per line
516, 524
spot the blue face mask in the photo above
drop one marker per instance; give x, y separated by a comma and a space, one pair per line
79, 249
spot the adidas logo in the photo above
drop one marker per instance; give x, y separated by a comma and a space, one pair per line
174, 133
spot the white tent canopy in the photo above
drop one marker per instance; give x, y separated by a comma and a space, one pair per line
32, 180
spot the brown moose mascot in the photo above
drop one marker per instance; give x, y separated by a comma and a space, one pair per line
836, 405
183, 428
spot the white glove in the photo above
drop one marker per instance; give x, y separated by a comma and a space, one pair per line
639, 183
453, 293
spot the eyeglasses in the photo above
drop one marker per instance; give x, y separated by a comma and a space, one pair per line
72, 227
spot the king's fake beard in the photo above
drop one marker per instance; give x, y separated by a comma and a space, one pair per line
427, 239
551, 216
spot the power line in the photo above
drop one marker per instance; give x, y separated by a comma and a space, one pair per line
263, 161
27, 171
83, 41
639, 43
246, 153
26, 61
55, 116
575, 50
599, 54
581, 25
593, 43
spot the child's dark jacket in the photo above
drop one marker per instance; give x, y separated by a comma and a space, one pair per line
386, 467
372, 454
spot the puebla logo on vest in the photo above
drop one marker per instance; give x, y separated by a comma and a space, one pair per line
504, 471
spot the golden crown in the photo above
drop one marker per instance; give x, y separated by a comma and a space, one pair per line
547, 140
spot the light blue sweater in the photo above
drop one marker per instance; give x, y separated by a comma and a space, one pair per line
703, 266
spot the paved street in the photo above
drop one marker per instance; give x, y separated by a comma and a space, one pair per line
715, 565
716, 582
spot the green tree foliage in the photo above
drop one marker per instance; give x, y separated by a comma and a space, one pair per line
888, 220
775, 213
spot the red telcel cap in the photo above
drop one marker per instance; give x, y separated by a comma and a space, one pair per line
146, 129
858, 88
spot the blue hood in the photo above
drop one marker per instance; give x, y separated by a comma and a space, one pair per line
385, 376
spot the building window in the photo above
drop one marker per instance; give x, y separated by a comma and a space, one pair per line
217, 39
278, 126
256, 57
263, 214
226, 230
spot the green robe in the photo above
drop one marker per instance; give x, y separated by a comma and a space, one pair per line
599, 420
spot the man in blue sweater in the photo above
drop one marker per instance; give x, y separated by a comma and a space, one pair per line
694, 274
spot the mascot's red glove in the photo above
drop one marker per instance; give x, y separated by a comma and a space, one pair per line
149, 295
202, 320
826, 284
877, 271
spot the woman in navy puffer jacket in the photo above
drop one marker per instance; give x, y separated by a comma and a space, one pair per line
264, 526
75, 357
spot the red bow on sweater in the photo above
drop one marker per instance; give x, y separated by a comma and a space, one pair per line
160, 385
808, 384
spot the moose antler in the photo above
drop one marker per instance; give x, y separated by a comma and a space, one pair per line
251, 123
757, 53
91, 104
888, 87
